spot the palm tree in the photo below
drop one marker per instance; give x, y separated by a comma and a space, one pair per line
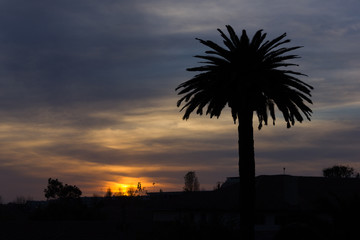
249, 76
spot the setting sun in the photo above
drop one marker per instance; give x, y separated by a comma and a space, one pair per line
119, 189
130, 187
122, 189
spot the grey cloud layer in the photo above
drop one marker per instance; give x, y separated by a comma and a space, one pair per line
111, 51
83, 52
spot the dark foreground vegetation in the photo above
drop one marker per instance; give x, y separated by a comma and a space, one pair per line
287, 207
132, 218
98, 218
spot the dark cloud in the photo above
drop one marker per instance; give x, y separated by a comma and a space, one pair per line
66, 53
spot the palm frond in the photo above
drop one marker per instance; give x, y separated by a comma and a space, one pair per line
228, 43
218, 50
247, 74
213, 60
258, 39
234, 38
269, 45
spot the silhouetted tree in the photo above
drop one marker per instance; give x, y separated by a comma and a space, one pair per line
191, 182
53, 189
108, 193
70, 191
131, 191
248, 76
339, 171
56, 189
217, 186
140, 190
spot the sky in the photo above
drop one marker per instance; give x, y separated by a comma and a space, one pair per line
87, 92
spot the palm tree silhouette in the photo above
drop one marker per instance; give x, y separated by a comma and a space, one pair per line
249, 76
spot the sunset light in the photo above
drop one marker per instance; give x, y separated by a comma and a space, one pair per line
121, 189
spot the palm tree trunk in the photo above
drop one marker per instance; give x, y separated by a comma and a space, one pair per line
247, 175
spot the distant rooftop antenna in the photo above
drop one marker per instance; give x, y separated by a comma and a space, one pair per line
284, 170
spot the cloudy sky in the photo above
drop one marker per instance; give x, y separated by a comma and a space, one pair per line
87, 92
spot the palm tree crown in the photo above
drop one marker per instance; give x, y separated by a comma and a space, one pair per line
247, 75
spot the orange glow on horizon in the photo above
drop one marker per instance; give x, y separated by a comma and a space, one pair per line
123, 189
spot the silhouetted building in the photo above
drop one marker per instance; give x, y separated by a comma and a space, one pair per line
281, 200
285, 204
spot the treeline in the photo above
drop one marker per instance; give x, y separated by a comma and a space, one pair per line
340, 171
